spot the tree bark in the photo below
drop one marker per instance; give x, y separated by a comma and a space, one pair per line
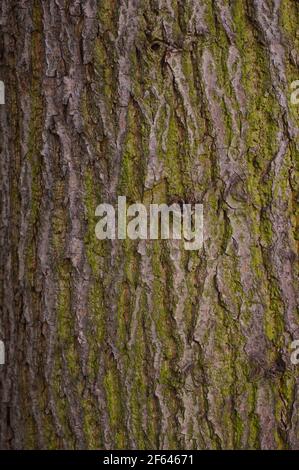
141, 344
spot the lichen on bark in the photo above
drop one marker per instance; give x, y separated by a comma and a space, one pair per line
142, 344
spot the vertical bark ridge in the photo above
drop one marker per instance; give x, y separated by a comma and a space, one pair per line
142, 344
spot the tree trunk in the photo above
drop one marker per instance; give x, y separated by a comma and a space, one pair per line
129, 344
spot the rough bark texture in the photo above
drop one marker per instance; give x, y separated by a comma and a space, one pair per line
129, 344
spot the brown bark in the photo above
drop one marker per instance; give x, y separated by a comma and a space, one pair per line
127, 344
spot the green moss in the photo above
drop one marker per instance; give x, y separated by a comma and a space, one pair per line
91, 425
95, 249
239, 428
133, 164
139, 392
61, 402
172, 159
114, 402
254, 423
162, 315
123, 315
274, 318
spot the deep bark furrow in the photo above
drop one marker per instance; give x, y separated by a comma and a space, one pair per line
142, 344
